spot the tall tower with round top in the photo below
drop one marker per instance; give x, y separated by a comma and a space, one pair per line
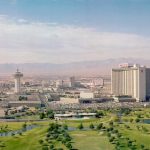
18, 75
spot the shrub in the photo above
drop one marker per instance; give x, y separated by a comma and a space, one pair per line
41, 141
65, 127
80, 126
137, 120
109, 135
69, 146
44, 148
142, 146
131, 120
99, 127
111, 139
51, 146
111, 123
91, 126
42, 115
24, 126
99, 114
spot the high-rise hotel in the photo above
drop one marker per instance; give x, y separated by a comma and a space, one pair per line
131, 80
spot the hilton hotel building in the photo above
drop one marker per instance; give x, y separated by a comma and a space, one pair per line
131, 80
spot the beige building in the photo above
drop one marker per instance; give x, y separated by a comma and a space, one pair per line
86, 94
148, 83
129, 80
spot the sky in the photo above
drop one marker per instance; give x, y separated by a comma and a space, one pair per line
64, 31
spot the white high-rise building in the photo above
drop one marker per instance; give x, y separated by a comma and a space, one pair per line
18, 75
129, 80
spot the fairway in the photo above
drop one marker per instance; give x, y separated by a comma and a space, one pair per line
90, 140
27, 141
140, 136
113, 134
82, 140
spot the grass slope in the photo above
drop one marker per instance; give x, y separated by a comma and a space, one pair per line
27, 141
90, 140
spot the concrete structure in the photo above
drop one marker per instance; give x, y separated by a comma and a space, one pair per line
24, 103
2, 112
86, 95
64, 100
72, 81
129, 80
66, 83
124, 99
18, 75
148, 83
75, 116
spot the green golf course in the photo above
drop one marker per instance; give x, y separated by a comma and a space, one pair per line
104, 133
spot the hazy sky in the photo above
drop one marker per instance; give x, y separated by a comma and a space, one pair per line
60, 31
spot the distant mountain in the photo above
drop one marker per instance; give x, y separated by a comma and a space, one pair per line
87, 68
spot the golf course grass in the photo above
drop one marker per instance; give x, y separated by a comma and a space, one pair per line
26, 141
91, 139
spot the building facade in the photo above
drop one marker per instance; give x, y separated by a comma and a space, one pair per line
148, 83
17, 76
87, 95
129, 81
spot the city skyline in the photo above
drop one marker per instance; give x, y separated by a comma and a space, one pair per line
64, 31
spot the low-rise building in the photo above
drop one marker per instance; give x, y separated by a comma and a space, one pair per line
87, 94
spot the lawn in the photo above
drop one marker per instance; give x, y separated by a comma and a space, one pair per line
82, 140
27, 141
139, 136
12, 125
90, 140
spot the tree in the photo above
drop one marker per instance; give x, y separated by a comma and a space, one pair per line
131, 120
12, 134
109, 135
22, 98
111, 139
50, 114
41, 142
137, 120
20, 133
116, 119
45, 148
69, 146
42, 115
91, 126
119, 135
80, 126
60, 149
125, 111
24, 126
142, 146
51, 146
99, 114
99, 126
139, 116
111, 123
65, 127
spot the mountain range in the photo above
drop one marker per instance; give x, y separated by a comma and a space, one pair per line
85, 68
